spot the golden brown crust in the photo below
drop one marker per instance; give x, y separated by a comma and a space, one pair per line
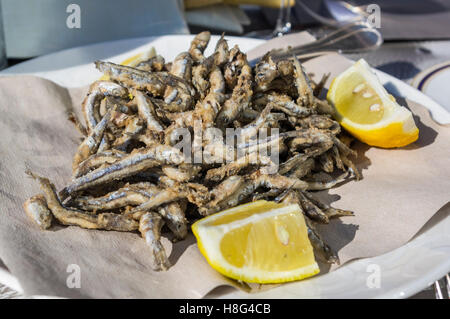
129, 173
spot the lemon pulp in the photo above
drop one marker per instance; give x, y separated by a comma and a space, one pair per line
367, 111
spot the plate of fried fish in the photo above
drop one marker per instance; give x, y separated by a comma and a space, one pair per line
190, 129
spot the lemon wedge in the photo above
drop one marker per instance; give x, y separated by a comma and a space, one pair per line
368, 112
135, 60
259, 242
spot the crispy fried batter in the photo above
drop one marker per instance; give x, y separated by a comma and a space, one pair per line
130, 174
150, 227
38, 211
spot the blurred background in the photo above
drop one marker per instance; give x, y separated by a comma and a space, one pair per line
32, 28
415, 33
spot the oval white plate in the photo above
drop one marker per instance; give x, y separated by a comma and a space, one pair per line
403, 272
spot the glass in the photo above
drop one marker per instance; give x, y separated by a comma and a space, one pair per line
283, 24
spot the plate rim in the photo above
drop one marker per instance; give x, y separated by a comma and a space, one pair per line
420, 80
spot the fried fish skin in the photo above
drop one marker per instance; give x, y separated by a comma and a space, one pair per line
198, 45
67, 216
217, 81
326, 162
182, 173
239, 100
97, 91
129, 195
303, 168
131, 77
173, 215
135, 162
201, 75
327, 209
146, 111
36, 208
284, 103
154, 64
92, 142
182, 66
111, 221
153, 82
242, 188
150, 226
96, 160
233, 67
195, 193
324, 252
320, 121
133, 126
252, 128
221, 52
220, 194
233, 168
265, 72
63, 215
311, 209
302, 82
319, 86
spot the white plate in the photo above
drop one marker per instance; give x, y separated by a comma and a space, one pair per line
403, 272
434, 83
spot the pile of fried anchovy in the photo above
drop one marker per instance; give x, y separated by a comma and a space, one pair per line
128, 174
